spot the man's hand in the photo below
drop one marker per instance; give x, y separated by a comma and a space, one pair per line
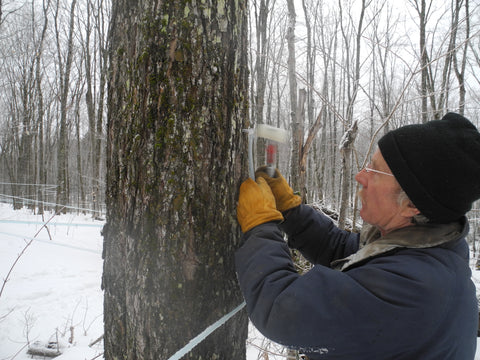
284, 196
256, 204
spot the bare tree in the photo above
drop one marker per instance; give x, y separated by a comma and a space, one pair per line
296, 119
41, 171
353, 87
423, 13
64, 71
262, 11
95, 50
460, 66
262, 16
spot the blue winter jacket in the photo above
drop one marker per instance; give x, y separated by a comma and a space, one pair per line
407, 295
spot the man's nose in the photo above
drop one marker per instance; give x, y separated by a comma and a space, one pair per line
361, 177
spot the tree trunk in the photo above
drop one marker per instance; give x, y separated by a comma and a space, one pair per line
95, 66
41, 173
176, 155
94, 152
460, 68
261, 73
421, 9
346, 148
297, 139
64, 71
347, 143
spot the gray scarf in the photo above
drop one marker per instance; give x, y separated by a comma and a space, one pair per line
418, 236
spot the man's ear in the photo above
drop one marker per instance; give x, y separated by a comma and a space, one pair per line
410, 210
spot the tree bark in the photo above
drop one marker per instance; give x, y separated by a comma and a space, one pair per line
176, 154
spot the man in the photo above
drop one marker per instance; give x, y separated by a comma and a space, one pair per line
399, 290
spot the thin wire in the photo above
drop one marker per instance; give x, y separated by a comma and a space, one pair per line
49, 203
23, 184
202, 336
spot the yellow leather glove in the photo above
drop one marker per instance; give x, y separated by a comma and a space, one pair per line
256, 204
284, 196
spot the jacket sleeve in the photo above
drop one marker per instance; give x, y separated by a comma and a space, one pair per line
316, 236
328, 311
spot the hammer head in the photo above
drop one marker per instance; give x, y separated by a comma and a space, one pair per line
272, 133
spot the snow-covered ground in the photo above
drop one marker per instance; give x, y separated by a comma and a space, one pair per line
53, 291
54, 288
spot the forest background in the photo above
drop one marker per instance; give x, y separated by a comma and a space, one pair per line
374, 64
317, 68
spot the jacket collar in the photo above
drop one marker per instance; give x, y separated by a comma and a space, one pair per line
420, 236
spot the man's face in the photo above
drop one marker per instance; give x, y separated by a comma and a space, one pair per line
379, 197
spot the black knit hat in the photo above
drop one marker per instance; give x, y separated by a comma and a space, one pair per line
437, 164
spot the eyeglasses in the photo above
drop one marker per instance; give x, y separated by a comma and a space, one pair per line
368, 170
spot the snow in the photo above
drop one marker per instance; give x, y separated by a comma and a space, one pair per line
54, 289
53, 293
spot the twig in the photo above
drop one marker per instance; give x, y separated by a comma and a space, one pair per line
46, 228
29, 322
24, 249
19, 351
91, 323
100, 338
2, 317
96, 357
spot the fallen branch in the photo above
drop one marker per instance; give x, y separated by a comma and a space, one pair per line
50, 350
